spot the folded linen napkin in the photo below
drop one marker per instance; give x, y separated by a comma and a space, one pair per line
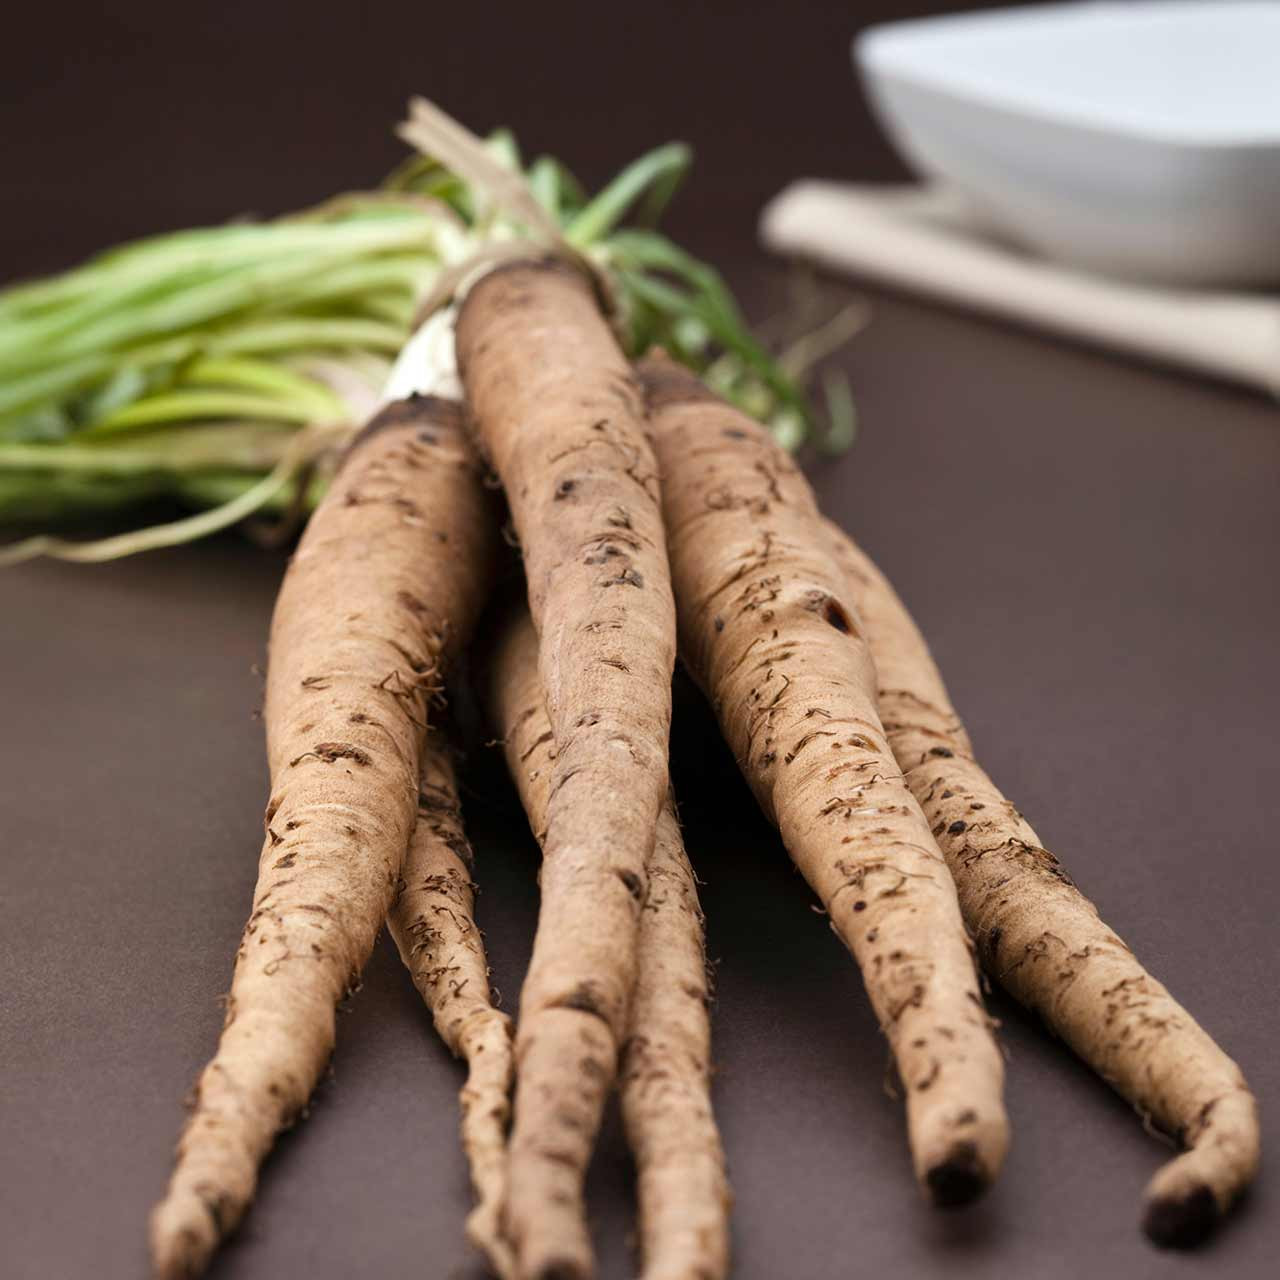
924, 239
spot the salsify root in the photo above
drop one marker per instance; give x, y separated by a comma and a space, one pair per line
385, 584
767, 629
433, 923
1042, 939
665, 1079
558, 413
665, 1073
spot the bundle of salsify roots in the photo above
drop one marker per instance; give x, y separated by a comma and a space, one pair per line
653, 516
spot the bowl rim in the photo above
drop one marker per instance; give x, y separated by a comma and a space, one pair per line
872, 55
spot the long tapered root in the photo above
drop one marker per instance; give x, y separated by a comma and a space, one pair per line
665, 1079
557, 411
368, 614
665, 1073
433, 923
767, 630
1041, 938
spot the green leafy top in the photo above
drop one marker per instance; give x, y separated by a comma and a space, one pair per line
227, 366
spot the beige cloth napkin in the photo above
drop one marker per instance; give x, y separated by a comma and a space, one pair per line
923, 239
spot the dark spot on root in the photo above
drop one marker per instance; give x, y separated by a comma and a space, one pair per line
958, 1180
627, 578
719, 623
945, 752
415, 411
214, 1207
564, 489
411, 602
734, 433
583, 999
836, 616
328, 752
560, 1269
957, 827
619, 518
632, 883
1181, 1222
666, 383
993, 941
831, 610
859, 905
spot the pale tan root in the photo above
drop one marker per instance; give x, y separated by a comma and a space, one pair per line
557, 411
433, 923
665, 1073
767, 629
386, 582
1041, 938
665, 1080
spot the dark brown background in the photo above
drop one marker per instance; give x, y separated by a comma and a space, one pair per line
1089, 544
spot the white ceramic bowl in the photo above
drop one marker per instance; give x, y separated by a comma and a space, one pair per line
1139, 139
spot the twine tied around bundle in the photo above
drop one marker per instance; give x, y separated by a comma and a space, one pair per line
436, 134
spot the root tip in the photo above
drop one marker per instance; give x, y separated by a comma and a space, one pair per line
561, 1269
179, 1258
183, 1237
959, 1180
1181, 1221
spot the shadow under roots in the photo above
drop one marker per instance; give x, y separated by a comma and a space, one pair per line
801, 1066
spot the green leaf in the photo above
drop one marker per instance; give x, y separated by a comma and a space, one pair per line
842, 414
190, 405
660, 170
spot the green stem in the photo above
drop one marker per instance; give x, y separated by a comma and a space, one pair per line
182, 406
661, 169
206, 252
161, 535
114, 321
308, 333
243, 373
250, 446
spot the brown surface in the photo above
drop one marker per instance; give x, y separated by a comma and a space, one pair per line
1091, 547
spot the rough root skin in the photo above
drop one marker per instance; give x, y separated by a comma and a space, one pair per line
433, 923
1042, 939
558, 413
665, 1074
368, 612
767, 629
